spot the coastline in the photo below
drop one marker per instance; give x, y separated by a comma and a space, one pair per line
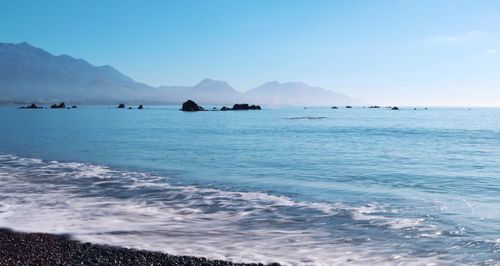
17, 248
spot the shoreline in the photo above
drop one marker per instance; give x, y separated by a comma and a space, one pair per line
18, 248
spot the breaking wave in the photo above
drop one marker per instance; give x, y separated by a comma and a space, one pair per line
145, 211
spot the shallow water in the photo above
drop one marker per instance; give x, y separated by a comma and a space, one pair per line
297, 186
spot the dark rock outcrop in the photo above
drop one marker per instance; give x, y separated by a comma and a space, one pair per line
245, 106
242, 106
348, 106
191, 106
121, 105
140, 107
394, 108
335, 107
31, 106
74, 106
58, 106
374, 106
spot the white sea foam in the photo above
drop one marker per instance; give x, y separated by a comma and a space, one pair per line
376, 214
102, 205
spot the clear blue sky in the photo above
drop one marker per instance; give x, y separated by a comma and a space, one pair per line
412, 52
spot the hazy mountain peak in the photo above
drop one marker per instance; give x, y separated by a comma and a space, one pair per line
297, 93
213, 84
25, 44
276, 84
21, 48
271, 83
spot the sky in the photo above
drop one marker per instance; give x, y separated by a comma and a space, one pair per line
406, 52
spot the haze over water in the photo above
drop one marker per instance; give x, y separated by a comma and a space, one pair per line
290, 185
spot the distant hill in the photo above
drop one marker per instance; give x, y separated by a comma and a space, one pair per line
207, 91
30, 74
297, 93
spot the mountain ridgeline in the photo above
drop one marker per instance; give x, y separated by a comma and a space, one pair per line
30, 74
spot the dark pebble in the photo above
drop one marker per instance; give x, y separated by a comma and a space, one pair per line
46, 249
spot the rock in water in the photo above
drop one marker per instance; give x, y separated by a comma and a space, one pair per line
58, 106
335, 107
140, 107
74, 106
31, 106
245, 106
191, 106
348, 106
225, 108
121, 105
394, 108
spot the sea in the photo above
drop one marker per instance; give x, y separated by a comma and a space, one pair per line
296, 186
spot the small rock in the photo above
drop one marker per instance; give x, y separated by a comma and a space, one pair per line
58, 106
140, 107
121, 105
31, 106
394, 108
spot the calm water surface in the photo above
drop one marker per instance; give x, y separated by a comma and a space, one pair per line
352, 186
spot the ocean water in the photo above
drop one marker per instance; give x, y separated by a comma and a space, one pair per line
297, 186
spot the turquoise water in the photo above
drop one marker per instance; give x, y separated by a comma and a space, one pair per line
312, 186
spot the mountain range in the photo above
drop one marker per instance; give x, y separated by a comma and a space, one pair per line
30, 74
